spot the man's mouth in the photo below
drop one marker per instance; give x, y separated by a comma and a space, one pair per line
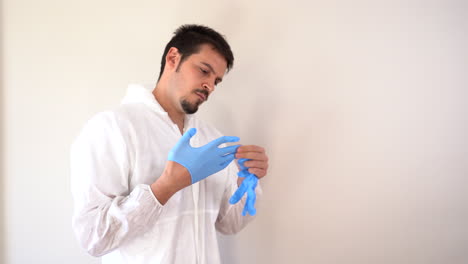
202, 95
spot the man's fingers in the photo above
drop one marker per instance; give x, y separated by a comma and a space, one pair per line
243, 173
228, 150
242, 161
189, 134
256, 164
251, 148
260, 173
251, 155
224, 139
226, 160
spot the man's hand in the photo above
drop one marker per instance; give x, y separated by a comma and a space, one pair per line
203, 161
258, 159
253, 165
187, 165
248, 186
175, 177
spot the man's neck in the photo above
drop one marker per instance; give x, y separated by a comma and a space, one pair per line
160, 94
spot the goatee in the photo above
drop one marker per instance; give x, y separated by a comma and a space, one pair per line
191, 108
188, 107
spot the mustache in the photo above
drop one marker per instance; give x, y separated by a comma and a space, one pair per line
203, 91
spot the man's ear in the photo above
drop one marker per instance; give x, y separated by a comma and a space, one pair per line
172, 58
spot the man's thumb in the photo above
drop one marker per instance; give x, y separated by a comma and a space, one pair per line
189, 134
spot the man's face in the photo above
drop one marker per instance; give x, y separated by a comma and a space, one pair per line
196, 77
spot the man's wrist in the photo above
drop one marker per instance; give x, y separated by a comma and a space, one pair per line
174, 178
161, 191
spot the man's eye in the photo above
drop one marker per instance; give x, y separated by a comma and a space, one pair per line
204, 71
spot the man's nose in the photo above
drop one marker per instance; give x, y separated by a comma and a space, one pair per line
208, 87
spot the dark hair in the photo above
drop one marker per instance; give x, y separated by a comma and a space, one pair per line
188, 39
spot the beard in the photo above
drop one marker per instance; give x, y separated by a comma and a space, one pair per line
192, 108
189, 108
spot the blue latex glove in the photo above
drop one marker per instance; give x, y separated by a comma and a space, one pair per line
203, 161
247, 186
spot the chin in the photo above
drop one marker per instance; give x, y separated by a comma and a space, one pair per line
189, 108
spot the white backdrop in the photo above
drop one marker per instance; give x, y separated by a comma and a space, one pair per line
360, 105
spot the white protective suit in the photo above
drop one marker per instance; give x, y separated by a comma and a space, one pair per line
117, 155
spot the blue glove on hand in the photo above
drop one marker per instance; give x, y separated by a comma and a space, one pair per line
248, 186
203, 161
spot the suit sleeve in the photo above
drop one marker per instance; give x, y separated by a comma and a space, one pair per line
106, 212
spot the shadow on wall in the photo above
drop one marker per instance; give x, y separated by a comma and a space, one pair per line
2, 198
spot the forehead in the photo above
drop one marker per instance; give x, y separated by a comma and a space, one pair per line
208, 54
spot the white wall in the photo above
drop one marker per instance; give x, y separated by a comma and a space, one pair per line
2, 175
360, 104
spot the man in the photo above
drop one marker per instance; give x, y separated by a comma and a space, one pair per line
151, 182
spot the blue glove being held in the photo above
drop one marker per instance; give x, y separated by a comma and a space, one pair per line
203, 161
248, 186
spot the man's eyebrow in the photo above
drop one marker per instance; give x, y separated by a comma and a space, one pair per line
212, 70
